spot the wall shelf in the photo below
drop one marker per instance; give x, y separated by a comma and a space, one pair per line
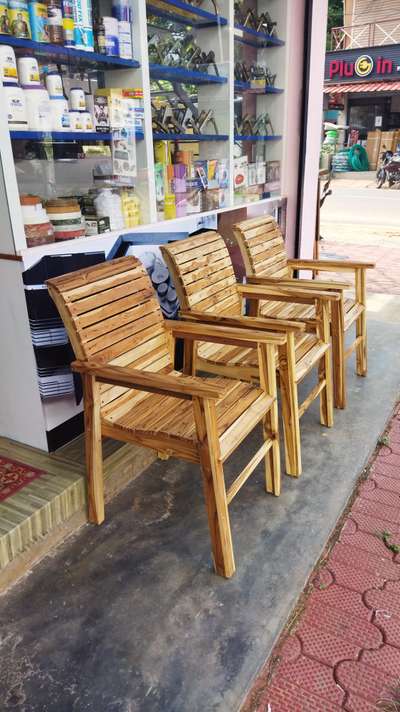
68, 55
256, 39
246, 86
63, 136
238, 137
186, 76
189, 137
185, 14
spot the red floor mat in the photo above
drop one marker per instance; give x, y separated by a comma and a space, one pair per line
15, 475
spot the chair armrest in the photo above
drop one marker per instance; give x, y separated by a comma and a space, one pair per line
285, 294
196, 331
185, 387
330, 265
307, 283
245, 322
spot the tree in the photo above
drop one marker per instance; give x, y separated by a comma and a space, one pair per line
335, 18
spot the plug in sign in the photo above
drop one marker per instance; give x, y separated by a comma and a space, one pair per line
363, 67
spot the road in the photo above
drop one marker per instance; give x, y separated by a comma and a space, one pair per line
362, 206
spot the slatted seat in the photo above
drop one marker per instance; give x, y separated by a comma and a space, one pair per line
204, 278
263, 250
132, 392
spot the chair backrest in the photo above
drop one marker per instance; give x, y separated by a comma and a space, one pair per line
262, 247
202, 271
112, 315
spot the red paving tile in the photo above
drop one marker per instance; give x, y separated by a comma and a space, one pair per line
345, 651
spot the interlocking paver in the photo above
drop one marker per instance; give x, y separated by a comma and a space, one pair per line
388, 599
366, 542
378, 510
387, 483
364, 681
390, 625
392, 499
385, 468
372, 525
357, 704
343, 599
358, 559
355, 579
329, 649
343, 624
314, 677
291, 649
285, 696
386, 658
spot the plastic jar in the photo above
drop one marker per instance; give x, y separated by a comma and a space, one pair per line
55, 20
87, 121
28, 71
8, 65
39, 21
38, 229
54, 85
60, 118
19, 18
16, 106
108, 204
4, 20
38, 108
77, 99
76, 120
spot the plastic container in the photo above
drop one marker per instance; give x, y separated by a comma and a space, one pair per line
39, 21
38, 108
60, 118
4, 19
125, 39
122, 10
77, 99
54, 85
55, 20
28, 71
83, 30
111, 36
67, 7
8, 65
87, 121
76, 120
17, 115
19, 19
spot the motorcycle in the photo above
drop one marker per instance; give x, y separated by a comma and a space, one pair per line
389, 170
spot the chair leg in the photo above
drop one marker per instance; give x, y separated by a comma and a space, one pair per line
93, 447
361, 324
290, 407
361, 349
266, 359
214, 488
338, 358
325, 370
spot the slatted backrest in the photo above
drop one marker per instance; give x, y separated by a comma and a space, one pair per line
112, 315
202, 271
262, 247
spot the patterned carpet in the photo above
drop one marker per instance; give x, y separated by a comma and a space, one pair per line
15, 475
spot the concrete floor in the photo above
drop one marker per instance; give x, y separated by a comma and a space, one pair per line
129, 617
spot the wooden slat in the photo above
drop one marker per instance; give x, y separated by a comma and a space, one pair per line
239, 430
82, 279
247, 471
89, 307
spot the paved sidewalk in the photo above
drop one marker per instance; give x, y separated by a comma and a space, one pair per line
385, 278
342, 648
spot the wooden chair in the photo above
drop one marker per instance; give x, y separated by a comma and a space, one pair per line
266, 262
205, 282
132, 392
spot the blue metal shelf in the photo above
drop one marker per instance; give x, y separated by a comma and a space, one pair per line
63, 136
257, 39
238, 137
188, 76
189, 137
184, 14
246, 86
68, 55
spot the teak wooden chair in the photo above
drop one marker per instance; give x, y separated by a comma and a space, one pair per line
266, 262
132, 392
202, 271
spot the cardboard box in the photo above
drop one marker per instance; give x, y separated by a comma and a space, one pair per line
387, 141
373, 148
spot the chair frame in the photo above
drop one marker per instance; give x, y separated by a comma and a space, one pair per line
337, 317
292, 411
210, 449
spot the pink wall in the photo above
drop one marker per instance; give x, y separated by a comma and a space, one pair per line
315, 101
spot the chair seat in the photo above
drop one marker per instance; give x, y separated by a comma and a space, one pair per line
145, 415
308, 350
298, 312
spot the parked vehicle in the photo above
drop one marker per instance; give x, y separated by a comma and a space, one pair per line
389, 169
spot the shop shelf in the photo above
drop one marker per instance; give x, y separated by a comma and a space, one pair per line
184, 14
188, 76
238, 137
189, 137
66, 55
251, 37
245, 86
60, 136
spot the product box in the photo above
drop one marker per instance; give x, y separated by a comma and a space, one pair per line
223, 173
96, 225
123, 149
101, 114
212, 174
116, 109
159, 181
240, 172
252, 174
201, 171
261, 172
387, 141
193, 199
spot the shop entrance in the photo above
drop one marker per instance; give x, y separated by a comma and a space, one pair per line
366, 114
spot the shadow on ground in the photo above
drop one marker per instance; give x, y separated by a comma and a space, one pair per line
130, 617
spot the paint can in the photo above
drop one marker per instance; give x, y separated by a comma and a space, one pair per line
8, 65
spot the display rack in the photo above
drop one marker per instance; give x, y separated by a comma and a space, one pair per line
212, 90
